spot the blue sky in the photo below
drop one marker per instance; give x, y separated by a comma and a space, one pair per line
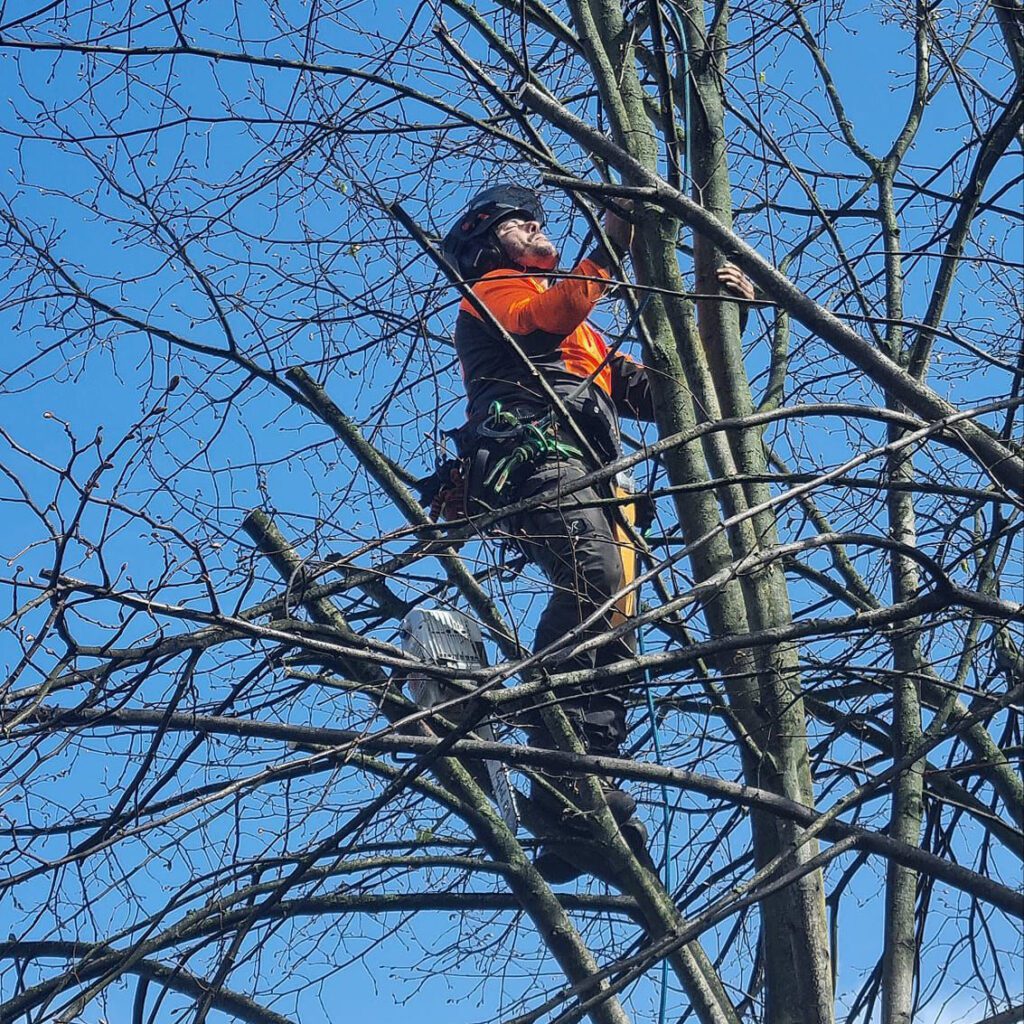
294, 253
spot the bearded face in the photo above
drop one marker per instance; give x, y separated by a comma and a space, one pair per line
525, 243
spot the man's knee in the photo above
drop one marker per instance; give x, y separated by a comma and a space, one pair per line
599, 721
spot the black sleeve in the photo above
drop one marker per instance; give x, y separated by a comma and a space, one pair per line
631, 389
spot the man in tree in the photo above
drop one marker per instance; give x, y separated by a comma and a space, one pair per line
531, 341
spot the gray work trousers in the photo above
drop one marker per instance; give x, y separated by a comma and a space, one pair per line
577, 549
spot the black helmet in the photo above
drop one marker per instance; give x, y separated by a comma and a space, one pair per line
470, 244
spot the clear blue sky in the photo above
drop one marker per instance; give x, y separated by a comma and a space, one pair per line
248, 442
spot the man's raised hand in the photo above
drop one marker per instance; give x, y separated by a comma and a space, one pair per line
734, 280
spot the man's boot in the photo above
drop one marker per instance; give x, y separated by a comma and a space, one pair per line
553, 867
557, 870
600, 722
561, 797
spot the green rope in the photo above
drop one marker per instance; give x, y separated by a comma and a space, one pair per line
538, 440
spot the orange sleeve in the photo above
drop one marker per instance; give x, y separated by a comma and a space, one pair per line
521, 304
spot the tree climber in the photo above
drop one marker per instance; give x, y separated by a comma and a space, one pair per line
516, 445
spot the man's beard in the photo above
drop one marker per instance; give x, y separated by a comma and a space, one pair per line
536, 256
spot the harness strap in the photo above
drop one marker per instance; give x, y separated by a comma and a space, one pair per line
537, 440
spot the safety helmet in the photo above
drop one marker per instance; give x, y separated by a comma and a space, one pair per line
471, 244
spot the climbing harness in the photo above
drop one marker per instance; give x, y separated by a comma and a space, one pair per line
535, 440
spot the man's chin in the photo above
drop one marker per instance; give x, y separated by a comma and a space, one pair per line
541, 260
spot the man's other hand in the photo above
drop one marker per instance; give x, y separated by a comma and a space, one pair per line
619, 230
734, 280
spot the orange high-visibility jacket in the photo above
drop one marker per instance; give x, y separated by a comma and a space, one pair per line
549, 324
